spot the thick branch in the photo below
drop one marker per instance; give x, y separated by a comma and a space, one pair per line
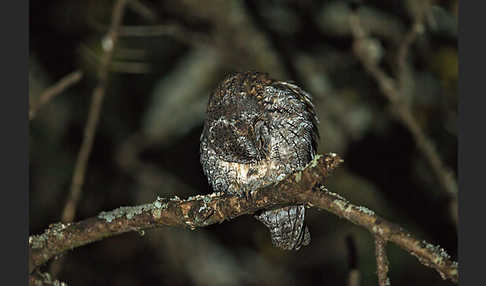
199, 211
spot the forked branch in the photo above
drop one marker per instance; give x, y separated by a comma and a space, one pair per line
302, 187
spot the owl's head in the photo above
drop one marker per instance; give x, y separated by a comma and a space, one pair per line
248, 109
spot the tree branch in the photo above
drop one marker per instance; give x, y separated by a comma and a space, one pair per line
94, 113
54, 90
381, 261
108, 44
44, 279
393, 90
302, 187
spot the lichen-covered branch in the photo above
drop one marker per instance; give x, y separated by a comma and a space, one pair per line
302, 187
429, 255
381, 261
44, 279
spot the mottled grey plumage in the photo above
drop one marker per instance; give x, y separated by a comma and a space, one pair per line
257, 131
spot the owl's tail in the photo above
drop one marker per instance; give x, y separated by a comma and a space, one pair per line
286, 226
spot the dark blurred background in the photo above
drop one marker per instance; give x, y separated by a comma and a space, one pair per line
169, 57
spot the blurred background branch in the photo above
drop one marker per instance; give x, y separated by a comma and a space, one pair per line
108, 44
354, 278
364, 48
54, 90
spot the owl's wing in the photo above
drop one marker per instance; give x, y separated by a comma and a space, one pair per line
238, 141
299, 102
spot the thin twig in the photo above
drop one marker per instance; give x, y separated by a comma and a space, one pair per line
235, 33
404, 48
200, 211
381, 261
94, 114
54, 90
143, 10
391, 90
109, 43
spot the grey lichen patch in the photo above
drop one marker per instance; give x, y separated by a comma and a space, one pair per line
194, 198
341, 204
48, 280
454, 271
366, 211
108, 216
216, 194
54, 230
349, 208
344, 206
159, 203
206, 199
441, 254
338, 199
335, 195
38, 241
128, 212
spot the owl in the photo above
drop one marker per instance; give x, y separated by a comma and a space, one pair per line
258, 130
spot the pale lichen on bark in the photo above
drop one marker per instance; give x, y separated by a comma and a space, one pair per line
130, 212
201, 211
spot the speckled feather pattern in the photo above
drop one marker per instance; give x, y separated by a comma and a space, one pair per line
257, 131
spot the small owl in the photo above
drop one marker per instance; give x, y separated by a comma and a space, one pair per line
258, 130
